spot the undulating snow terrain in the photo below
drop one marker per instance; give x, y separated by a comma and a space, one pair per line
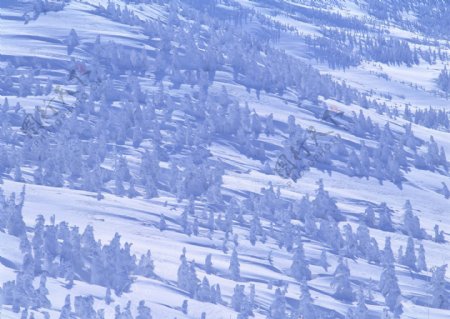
217, 159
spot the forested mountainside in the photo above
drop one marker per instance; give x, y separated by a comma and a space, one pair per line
216, 159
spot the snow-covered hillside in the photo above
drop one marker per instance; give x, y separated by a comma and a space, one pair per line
216, 159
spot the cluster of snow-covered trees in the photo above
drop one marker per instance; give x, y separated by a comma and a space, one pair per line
319, 221
392, 156
83, 159
137, 119
433, 23
443, 81
83, 308
341, 49
38, 7
11, 219
60, 251
344, 48
112, 115
431, 117
202, 53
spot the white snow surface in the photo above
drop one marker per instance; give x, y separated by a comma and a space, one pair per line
137, 219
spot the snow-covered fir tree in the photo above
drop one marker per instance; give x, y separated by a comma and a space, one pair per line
439, 293
341, 281
300, 268
389, 288
234, 268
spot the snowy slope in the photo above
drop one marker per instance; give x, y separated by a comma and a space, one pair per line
121, 114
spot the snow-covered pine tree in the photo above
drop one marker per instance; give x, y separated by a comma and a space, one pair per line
234, 268
388, 255
184, 307
37, 243
341, 282
445, 191
183, 272
400, 254
25, 246
409, 259
438, 235
108, 298
24, 314
66, 310
385, 221
144, 312
390, 289
192, 279
238, 297
421, 262
323, 260
132, 192
15, 223
216, 295
269, 127
42, 300
440, 298
146, 266
84, 307
208, 264
369, 217
306, 307
299, 268
251, 299
195, 226
350, 242
277, 308
184, 222
323, 205
310, 224
363, 240
411, 223
204, 290
162, 223
373, 253
361, 311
